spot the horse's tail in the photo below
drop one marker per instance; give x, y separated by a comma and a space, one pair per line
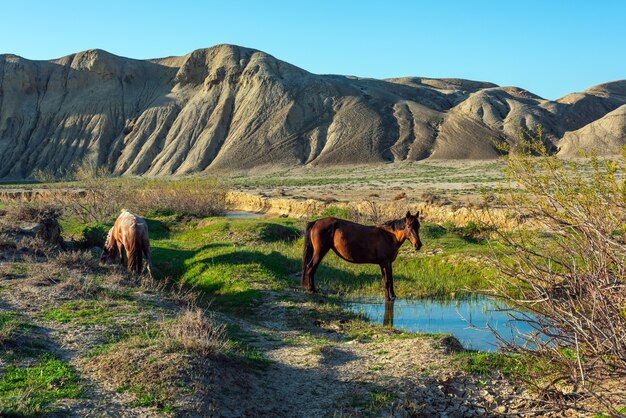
134, 254
307, 253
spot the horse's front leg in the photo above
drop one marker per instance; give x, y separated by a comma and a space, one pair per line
385, 269
146, 251
390, 282
121, 251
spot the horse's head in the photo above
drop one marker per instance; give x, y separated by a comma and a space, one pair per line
412, 229
110, 249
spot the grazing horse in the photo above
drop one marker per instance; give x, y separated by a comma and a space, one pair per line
358, 244
130, 233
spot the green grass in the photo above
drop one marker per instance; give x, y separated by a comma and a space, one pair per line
617, 412
483, 364
234, 260
10, 325
88, 312
148, 397
380, 398
28, 391
337, 212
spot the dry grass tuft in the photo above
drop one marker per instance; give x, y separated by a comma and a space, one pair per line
33, 213
400, 196
141, 368
196, 331
83, 287
36, 246
80, 260
117, 278
7, 243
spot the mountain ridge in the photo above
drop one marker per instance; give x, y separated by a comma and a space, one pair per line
233, 108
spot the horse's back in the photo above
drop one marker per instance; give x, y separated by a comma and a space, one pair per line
351, 241
131, 226
347, 226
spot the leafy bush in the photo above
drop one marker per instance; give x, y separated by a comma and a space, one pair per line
337, 212
432, 231
94, 236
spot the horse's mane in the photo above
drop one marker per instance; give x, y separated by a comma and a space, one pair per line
107, 242
395, 224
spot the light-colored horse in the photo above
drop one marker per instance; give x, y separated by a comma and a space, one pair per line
130, 234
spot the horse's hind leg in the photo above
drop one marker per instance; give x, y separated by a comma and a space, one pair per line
312, 267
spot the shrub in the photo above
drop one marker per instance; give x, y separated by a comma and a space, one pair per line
432, 231
94, 236
91, 194
569, 287
337, 212
196, 196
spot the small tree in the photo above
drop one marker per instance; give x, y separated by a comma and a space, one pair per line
95, 198
563, 272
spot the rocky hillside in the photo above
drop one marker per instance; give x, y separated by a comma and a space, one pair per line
235, 108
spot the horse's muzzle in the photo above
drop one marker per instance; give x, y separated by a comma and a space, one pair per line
418, 246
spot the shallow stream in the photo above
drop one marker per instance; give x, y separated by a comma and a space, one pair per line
466, 318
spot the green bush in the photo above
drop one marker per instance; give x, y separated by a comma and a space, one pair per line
94, 236
337, 212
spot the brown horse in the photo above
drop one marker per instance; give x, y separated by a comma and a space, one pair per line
358, 244
130, 233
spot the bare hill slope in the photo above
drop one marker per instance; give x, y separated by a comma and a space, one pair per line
235, 108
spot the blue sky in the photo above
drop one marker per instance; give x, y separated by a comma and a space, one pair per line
548, 47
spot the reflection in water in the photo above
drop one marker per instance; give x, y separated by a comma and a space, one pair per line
467, 319
388, 318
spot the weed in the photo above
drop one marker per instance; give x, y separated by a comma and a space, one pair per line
380, 398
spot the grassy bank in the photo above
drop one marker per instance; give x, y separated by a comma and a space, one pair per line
233, 260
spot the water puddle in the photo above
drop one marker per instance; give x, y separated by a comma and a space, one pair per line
243, 215
466, 319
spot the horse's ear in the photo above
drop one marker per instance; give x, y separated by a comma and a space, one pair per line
417, 215
408, 214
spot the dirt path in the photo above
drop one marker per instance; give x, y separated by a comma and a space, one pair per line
307, 358
315, 370
69, 342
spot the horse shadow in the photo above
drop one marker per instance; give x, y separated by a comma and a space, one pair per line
172, 262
